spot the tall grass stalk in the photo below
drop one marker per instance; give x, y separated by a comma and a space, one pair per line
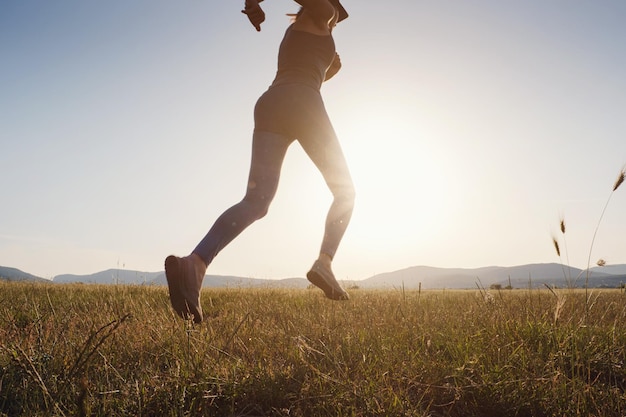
618, 182
616, 185
562, 227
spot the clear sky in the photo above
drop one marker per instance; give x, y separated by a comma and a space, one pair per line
470, 128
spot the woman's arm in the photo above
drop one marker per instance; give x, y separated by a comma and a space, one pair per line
334, 68
255, 14
321, 11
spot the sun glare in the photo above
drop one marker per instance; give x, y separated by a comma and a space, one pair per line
400, 178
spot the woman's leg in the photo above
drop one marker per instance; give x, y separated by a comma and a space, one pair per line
268, 153
327, 155
325, 151
185, 275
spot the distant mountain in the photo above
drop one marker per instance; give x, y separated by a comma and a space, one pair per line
110, 276
122, 276
533, 275
227, 281
522, 276
14, 274
610, 269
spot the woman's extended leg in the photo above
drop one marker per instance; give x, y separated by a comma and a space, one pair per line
328, 157
185, 275
325, 152
268, 153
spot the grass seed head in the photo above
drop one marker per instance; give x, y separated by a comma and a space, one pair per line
556, 246
563, 226
601, 262
620, 179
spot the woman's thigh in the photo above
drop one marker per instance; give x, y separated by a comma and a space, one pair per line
268, 154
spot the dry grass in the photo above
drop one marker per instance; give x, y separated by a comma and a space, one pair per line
600, 261
618, 182
119, 350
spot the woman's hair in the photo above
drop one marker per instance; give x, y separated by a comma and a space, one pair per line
295, 16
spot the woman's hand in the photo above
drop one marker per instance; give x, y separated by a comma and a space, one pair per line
334, 68
255, 14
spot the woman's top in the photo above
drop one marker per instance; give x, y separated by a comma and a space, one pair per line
303, 58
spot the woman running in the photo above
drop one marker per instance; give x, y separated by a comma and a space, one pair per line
290, 110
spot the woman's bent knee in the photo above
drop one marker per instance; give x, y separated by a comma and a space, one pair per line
257, 208
345, 193
345, 196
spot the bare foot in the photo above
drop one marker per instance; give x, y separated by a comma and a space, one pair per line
322, 277
184, 280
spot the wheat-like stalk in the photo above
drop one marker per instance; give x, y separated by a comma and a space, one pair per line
620, 179
556, 246
618, 182
568, 276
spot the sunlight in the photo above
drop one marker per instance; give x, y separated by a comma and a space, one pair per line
401, 178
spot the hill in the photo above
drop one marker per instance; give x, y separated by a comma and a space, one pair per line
426, 277
610, 269
14, 274
228, 281
533, 275
110, 276
122, 276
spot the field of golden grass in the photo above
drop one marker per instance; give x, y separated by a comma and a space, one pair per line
119, 350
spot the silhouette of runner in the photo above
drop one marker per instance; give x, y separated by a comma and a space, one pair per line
291, 110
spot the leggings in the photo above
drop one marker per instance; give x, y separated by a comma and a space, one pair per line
283, 114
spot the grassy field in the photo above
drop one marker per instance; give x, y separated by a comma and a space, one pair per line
119, 350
